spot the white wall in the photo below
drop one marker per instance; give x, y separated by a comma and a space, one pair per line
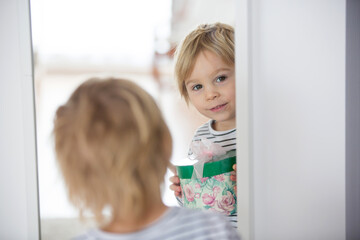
297, 112
18, 187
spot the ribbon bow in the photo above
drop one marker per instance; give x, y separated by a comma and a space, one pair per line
204, 151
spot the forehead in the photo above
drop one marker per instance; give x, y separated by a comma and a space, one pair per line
207, 63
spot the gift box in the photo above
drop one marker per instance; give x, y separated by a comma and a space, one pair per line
213, 189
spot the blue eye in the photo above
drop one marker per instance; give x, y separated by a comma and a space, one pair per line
197, 87
220, 79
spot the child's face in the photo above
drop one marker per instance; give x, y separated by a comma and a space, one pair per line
211, 89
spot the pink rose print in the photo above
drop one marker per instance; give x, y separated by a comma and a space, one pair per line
204, 179
227, 204
197, 185
220, 177
189, 193
216, 190
208, 199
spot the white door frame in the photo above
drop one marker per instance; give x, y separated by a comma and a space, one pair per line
19, 209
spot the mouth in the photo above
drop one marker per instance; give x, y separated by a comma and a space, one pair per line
218, 107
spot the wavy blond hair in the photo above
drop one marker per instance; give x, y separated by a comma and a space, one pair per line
113, 148
217, 38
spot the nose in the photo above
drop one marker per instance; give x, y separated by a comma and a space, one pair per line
211, 93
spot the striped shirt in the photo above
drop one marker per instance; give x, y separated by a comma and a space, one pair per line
175, 224
226, 139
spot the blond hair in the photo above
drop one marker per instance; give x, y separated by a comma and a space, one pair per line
113, 148
217, 38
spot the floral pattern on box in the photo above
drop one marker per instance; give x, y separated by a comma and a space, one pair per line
214, 193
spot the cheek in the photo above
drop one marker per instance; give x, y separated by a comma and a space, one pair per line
231, 91
230, 94
194, 98
233, 98
198, 104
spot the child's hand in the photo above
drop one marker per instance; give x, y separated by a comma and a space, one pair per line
233, 176
175, 186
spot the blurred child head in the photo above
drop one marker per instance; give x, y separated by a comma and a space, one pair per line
217, 38
113, 148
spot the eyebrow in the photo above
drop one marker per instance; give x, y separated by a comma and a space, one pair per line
219, 70
188, 81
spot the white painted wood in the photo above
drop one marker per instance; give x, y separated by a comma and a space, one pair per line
243, 121
296, 159
19, 216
